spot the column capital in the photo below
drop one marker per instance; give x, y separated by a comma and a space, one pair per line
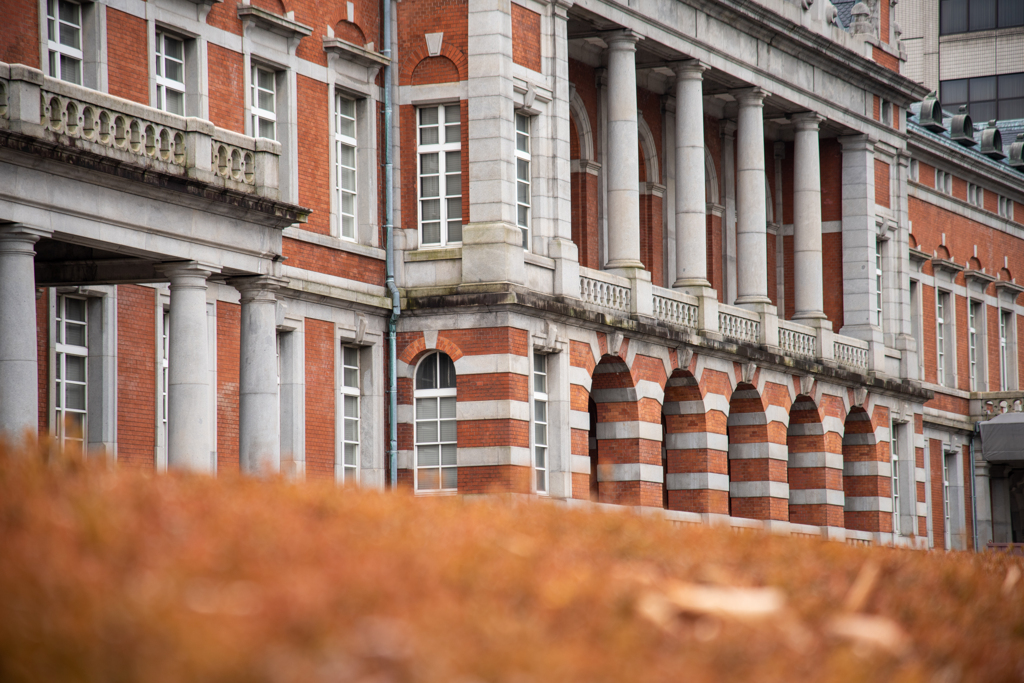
728, 128
622, 40
807, 120
689, 70
15, 233
185, 273
862, 142
750, 97
258, 287
561, 7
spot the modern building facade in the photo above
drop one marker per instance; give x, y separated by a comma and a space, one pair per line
698, 256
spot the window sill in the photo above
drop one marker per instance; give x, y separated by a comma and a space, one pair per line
444, 254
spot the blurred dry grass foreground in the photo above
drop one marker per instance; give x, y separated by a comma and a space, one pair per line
114, 576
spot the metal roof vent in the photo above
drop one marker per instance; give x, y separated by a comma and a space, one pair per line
962, 128
930, 116
992, 142
1016, 159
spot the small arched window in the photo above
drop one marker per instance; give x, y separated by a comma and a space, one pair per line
436, 428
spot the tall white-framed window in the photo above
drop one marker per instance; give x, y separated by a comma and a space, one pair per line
973, 320
1005, 320
71, 370
916, 326
348, 473
894, 452
345, 164
165, 336
540, 422
439, 131
878, 282
946, 457
941, 334
170, 73
263, 103
523, 177
64, 40
436, 427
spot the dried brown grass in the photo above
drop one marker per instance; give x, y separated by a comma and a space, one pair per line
115, 576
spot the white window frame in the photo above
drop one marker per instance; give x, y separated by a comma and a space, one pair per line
350, 390
879, 285
164, 83
973, 352
63, 350
894, 457
56, 49
259, 114
446, 151
1005, 349
943, 182
348, 221
946, 498
439, 396
165, 350
524, 178
541, 425
943, 302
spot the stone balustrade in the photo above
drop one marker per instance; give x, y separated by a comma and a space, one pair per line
606, 291
852, 354
126, 132
739, 324
676, 308
797, 340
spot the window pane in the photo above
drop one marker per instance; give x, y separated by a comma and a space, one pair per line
453, 185
265, 100
428, 136
174, 102
523, 193
449, 478
452, 162
540, 363
522, 169
448, 408
983, 111
351, 356
70, 36
348, 178
455, 231
75, 334
1011, 109
446, 372
430, 187
428, 116
982, 89
174, 48
351, 453
426, 432
351, 430
347, 107
426, 408
540, 457
74, 310
69, 12
432, 233
1011, 13
449, 454
451, 113
540, 411
75, 368
954, 93
449, 431
982, 14
427, 456
540, 434
452, 134
455, 214
348, 158
266, 129
352, 407
541, 487
348, 205
1011, 85
523, 215
429, 164
174, 71
428, 480
348, 227
265, 79
75, 395
70, 70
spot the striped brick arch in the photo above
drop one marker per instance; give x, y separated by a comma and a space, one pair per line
815, 466
867, 472
628, 432
758, 485
697, 449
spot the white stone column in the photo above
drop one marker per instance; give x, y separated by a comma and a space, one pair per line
691, 202
259, 424
808, 294
752, 211
623, 158
19, 370
188, 384
982, 501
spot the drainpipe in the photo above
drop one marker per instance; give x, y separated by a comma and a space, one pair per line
389, 228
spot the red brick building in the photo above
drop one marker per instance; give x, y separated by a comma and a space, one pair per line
704, 258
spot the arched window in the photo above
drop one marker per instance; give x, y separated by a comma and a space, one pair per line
436, 428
